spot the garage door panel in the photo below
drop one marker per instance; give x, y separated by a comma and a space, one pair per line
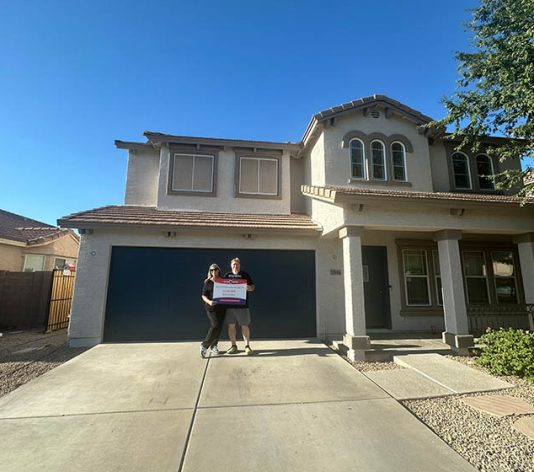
154, 293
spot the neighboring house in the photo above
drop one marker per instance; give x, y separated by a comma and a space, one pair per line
28, 245
368, 224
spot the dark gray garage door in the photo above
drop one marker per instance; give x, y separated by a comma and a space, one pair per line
154, 293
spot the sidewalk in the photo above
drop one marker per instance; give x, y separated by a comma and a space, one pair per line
295, 405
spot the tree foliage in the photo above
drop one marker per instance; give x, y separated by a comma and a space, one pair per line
495, 89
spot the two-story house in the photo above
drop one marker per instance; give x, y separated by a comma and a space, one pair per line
368, 224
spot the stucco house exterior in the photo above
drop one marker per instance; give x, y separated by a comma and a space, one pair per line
369, 224
28, 245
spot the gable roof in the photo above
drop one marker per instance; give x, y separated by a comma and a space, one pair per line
18, 228
364, 104
171, 220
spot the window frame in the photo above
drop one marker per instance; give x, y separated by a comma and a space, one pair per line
193, 153
372, 164
495, 277
364, 160
492, 180
485, 277
43, 265
403, 147
469, 173
427, 277
240, 154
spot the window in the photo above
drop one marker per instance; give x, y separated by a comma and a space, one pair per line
461, 171
485, 172
378, 160
258, 176
192, 173
475, 276
398, 161
416, 280
357, 159
437, 277
504, 276
59, 263
33, 263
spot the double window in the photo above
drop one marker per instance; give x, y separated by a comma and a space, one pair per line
258, 176
192, 173
462, 172
377, 167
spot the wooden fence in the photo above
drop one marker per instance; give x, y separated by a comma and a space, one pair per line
35, 299
60, 300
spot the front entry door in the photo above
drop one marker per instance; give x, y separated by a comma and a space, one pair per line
376, 287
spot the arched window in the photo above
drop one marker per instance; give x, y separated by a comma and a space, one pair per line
485, 172
357, 159
378, 160
461, 171
398, 161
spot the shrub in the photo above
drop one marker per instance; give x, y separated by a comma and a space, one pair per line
508, 352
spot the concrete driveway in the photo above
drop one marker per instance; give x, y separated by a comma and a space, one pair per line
293, 406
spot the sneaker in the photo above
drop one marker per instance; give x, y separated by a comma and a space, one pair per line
214, 351
248, 351
232, 350
203, 351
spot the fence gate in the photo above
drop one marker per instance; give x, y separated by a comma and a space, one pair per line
60, 300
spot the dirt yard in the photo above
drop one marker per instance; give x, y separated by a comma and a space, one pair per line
25, 355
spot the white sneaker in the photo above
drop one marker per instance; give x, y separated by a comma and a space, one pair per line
203, 351
214, 351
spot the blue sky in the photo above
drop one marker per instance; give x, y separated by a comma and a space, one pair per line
76, 75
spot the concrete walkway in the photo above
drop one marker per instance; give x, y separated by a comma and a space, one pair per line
293, 406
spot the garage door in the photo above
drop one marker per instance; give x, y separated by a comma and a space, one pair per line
154, 293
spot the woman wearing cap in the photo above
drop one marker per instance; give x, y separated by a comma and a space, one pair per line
215, 313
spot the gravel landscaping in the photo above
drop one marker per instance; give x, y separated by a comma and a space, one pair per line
489, 443
25, 355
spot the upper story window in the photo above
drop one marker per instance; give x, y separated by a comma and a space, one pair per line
461, 171
258, 176
378, 158
398, 161
357, 159
192, 173
485, 172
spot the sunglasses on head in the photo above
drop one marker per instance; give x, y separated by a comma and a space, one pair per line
213, 270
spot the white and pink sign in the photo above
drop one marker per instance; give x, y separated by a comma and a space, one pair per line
230, 291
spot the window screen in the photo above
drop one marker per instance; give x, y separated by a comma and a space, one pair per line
258, 176
193, 173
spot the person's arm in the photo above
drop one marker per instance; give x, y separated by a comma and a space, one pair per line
250, 284
208, 301
205, 291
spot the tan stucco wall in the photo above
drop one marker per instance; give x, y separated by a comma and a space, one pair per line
316, 163
337, 158
225, 200
142, 178
11, 258
440, 172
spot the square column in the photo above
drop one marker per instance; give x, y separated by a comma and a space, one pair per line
356, 338
525, 247
456, 332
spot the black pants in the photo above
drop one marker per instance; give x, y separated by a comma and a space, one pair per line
216, 323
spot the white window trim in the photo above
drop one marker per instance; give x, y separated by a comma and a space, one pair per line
427, 277
194, 156
371, 164
403, 162
492, 173
364, 161
270, 194
495, 277
468, 171
437, 276
38, 255
476, 276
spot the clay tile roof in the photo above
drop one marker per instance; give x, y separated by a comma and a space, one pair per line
26, 230
170, 219
443, 196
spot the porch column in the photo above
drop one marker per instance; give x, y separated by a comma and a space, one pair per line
456, 332
355, 338
525, 247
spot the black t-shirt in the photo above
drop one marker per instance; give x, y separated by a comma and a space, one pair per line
240, 275
207, 291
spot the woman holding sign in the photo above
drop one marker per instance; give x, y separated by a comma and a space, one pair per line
214, 311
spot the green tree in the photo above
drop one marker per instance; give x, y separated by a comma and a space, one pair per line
495, 89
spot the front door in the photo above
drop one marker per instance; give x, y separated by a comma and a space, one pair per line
376, 287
